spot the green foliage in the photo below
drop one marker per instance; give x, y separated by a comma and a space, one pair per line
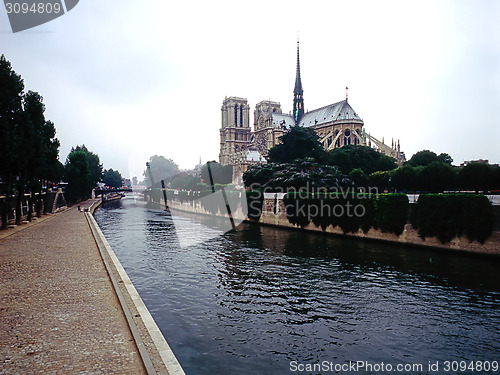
405, 178
445, 158
298, 143
186, 181
391, 213
261, 174
446, 216
433, 177
41, 146
255, 200
112, 178
437, 177
83, 170
77, 174
381, 180
296, 208
221, 174
350, 211
358, 177
11, 92
341, 160
160, 168
477, 176
360, 157
422, 158
303, 173
441, 215
95, 166
426, 157
496, 179
28, 147
385, 163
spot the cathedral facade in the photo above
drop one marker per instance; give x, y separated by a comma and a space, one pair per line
337, 125
235, 132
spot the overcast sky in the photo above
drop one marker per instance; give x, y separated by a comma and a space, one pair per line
130, 79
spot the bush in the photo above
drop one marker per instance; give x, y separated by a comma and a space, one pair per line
255, 201
391, 213
349, 212
446, 216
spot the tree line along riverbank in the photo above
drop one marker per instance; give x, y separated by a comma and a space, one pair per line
467, 222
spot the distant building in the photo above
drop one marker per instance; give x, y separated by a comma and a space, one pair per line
481, 161
197, 168
337, 125
195, 172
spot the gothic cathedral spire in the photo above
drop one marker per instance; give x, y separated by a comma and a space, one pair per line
298, 93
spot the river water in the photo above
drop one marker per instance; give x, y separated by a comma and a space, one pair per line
269, 301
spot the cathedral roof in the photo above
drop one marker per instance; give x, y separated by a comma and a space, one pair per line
333, 112
282, 119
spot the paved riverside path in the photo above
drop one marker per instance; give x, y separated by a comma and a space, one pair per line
58, 311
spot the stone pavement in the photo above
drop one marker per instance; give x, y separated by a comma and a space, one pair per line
58, 311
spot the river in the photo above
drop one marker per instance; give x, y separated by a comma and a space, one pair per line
262, 300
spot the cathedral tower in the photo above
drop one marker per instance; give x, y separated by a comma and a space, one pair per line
298, 93
235, 129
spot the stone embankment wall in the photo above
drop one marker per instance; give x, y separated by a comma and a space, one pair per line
273, 213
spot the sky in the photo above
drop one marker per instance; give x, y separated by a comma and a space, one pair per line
133, 79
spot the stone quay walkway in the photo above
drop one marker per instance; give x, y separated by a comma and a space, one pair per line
59, 313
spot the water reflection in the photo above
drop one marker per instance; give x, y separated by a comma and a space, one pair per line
252, 300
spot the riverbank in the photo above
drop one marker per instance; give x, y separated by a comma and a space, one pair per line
252, 300
273, 214
59, 311
143, 326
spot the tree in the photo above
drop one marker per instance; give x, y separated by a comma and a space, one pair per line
340, 159
186, 181
437, 177
360, 157
385, 163
380, 179
112, 178
77, 174
28, 147
425, 157
259, 175
83, 170
161, 169
95, 166
445, 158
406, 178
221, 174
298, 143
358, 177
11, 91
41, 148
303, 173
496, 179
476, 176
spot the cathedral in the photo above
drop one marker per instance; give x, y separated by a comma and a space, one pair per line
337, 125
